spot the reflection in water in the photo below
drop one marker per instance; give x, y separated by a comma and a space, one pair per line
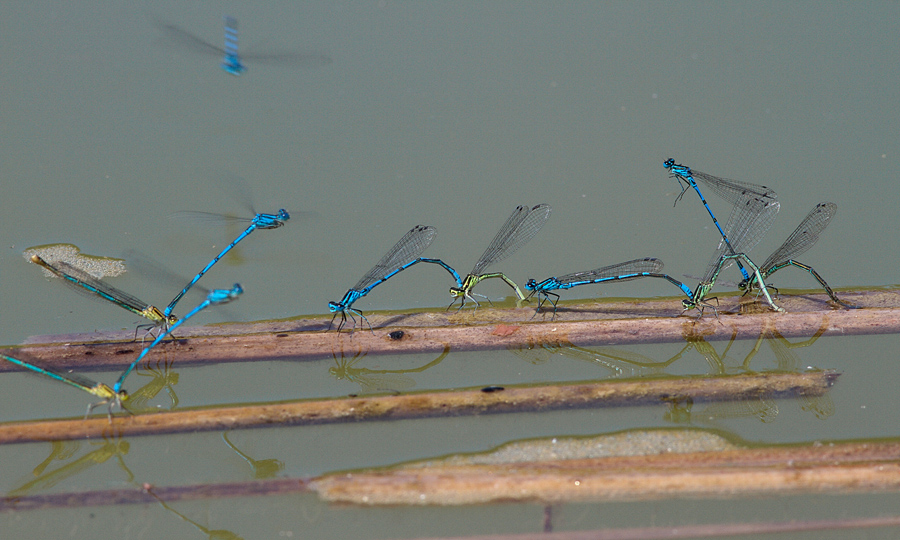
59, 450
377, 380
680, 410
619, 362
786, 360
163, 379
213, 534
630, 364
264, 468
706, 350
108, 449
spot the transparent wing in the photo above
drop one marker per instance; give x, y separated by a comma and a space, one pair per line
804, 236
405, 251
520, 227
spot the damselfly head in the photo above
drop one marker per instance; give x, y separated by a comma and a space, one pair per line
530, 284
223, 296
271, 221
111, 399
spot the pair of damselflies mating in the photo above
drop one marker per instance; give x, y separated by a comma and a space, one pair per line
164, 320
116, 395
84, 281
519, 228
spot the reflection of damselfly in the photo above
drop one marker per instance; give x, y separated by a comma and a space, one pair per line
262, 468
620, 362
681, 410
210, 533
59, 451
786, 360
680, 407
377, 380
162, 379
108, 449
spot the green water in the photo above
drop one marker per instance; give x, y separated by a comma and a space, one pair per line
446, 114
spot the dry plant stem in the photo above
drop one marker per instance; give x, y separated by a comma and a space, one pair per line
480, 331
832, 468
429, 404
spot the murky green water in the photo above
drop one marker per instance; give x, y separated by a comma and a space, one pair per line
447, 114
